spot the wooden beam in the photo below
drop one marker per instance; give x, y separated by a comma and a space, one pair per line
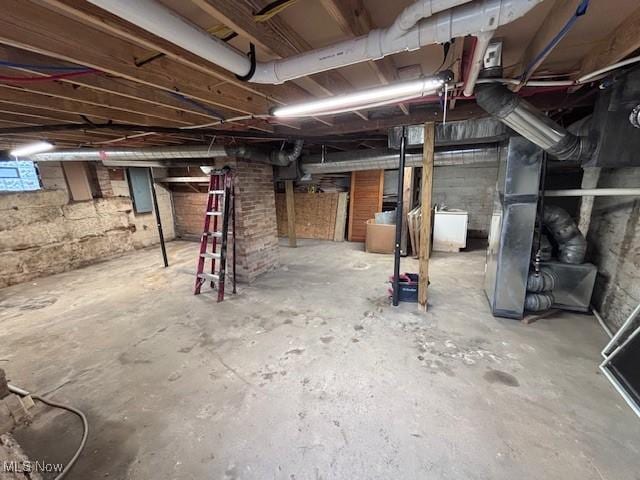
623, 41
274, 36
38, 29
19, 96
291, 213
354, 20
107, 101
117, 86
425, 224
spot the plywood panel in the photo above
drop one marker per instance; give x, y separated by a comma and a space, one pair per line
365, 200
315, 214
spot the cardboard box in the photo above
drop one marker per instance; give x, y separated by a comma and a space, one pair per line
380, 237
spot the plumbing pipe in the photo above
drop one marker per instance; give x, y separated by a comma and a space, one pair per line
477, 61
154, 17
532, 124
423, 23
594, 192
604, 326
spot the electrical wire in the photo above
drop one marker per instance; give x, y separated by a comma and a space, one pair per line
85, 425
57, 68
47, 78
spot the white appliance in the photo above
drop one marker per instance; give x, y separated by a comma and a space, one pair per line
449, 229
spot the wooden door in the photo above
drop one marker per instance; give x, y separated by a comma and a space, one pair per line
365, 200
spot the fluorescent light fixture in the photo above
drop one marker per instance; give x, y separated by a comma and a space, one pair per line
31, 149
367, 98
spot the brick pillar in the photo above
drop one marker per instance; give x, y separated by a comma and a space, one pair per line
256, 222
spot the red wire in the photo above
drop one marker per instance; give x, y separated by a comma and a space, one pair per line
46, 78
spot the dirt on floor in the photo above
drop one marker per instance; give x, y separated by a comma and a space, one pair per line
309, 373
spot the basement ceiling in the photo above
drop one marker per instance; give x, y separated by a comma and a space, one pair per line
140, 79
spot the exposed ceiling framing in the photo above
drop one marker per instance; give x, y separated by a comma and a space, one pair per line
176, 89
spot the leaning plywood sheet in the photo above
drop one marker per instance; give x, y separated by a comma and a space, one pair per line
315, 214
341, 217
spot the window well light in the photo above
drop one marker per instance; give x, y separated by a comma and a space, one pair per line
366, 98
31, 149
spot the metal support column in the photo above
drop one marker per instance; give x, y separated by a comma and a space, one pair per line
158, 221
396, 262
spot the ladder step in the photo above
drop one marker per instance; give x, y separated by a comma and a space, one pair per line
216, 234
210, 255
216, 192
214, 214
212, 277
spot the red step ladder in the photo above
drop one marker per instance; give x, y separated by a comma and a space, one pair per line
220, 206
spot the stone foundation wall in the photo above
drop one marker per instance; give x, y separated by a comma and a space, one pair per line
614, 246
43, 232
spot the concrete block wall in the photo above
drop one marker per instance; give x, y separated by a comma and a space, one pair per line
256, 221
614, 246
470, 188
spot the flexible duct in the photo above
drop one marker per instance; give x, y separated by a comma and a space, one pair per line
418, 25
374, 159
538, 302
280, 158
544, 281
563, 228
532, 124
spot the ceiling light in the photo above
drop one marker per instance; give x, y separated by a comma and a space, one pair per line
366, 98
31, 149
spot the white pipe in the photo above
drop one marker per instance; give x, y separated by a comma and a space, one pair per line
161, 21
595, 192
469, 19
604, 326
477, 62
415, 27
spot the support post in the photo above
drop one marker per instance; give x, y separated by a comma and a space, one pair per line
158, 221
590, 177
291, 213
425, 224
399, 221
407, 205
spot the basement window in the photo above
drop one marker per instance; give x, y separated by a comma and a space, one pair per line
18, 176
140, 188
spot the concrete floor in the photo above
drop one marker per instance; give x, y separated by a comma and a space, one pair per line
310, 374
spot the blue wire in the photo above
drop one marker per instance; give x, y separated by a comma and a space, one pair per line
58, 68
581, 10
202, 107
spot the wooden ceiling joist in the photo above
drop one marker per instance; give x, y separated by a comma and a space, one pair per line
354, 20
274, 36
38, 29
106, 22
97, 113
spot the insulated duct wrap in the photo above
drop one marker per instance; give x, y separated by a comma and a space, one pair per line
532, 124
563, 228
375, 159
134, 155
543, 281
538, 302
